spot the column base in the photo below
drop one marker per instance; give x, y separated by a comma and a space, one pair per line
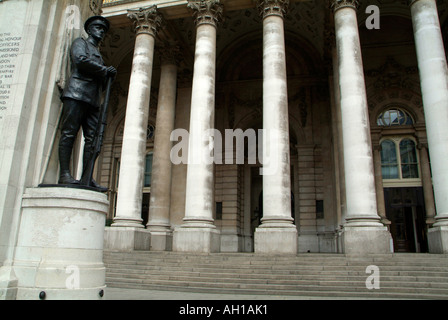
272, 240
366, 240
438, 239
60, 245
197, 239
161, 240
127, 239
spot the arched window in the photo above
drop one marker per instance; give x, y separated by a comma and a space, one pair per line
394, 117
399, 159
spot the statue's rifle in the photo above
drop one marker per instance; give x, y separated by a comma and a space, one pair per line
97, 142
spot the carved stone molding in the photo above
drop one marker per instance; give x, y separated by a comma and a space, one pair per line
96, 6
207, 11
339, 4
146, 20
273, 8
393, 75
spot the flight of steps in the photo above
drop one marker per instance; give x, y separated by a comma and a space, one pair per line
402, 276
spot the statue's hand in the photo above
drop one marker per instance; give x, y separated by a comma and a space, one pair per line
111, 72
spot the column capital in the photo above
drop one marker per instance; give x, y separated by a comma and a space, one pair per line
146, 20
273, 8
339, 4
206, 11
422, 145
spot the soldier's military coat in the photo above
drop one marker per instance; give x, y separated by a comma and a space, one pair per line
88, 74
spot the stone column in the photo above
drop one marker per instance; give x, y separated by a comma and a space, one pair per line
198, 232
130, 189
277, 233
434, 84
159, 210
363, 232
428, 192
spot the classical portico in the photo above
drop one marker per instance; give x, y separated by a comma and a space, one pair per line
322, 194
337, 117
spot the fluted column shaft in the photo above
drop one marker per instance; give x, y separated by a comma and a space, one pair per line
159, 210
198, 232
363, 232
277, 232
428, 192
434, 84
200, 175
358, 158
132, 168
276, 178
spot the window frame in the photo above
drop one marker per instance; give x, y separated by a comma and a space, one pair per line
402, 182
148, 189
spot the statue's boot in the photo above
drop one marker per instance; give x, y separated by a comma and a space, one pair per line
64, 160
93, 183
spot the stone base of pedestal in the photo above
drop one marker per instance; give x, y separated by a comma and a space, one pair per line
308, 242
273, 240
196, 239
438, 239
231, 242
59, 254
366, 240
127, 239
8, 284
161, 240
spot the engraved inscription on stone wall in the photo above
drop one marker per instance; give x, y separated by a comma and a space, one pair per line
9, 50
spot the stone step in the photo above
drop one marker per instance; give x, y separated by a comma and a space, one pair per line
294, 290
292, 261
299, 294
246, 258
360, 282
267, 267
273, 277
401, 276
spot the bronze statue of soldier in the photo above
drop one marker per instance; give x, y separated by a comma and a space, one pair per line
82, 97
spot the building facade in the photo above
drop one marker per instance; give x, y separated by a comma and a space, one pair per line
269, 126
384, 154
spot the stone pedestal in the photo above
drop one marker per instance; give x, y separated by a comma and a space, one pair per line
308, 242
276, 240
59, 254
366, 240
127, 239
438, 239
197, 239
